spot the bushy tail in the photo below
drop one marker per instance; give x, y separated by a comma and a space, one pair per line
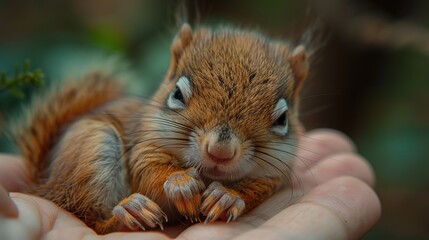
50, 112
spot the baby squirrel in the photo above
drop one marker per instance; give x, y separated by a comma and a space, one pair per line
216, 140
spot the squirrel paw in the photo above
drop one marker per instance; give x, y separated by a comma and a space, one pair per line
137, 210
221, 202
184, 188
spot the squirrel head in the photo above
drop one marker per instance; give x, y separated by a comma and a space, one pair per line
230, 97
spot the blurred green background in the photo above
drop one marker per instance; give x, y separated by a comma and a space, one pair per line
370, 78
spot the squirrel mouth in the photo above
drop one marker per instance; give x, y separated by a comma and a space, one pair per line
214, 171
216, 174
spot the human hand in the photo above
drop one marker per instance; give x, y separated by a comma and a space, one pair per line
330, 198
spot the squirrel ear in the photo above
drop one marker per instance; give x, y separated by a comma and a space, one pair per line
180, 42
300, 65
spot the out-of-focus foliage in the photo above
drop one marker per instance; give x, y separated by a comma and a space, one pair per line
366, 81
22, 77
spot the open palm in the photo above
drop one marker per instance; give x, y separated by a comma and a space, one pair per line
330, 198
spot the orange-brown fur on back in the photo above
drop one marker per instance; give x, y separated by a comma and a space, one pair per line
50, 113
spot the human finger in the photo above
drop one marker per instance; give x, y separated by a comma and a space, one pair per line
7, 207
342, 164
40, 217
12, 173
346, 164
318, 144
25, 226
342, 208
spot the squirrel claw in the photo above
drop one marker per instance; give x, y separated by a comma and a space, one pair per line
184, 189
126, 218
138, 210
220, 202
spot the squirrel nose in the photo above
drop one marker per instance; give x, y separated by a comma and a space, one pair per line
220, 153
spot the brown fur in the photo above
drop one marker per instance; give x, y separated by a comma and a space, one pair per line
92, 151
50, 113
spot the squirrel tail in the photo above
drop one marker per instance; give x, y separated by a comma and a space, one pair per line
52, 111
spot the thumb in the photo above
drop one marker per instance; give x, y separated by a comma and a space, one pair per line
37, 217
13, 175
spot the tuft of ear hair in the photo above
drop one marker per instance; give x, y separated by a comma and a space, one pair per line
180, 42
300, 65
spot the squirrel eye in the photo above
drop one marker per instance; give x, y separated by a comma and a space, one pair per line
181, 93
177, 94
280, 121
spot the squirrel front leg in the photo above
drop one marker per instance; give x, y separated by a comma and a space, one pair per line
228, 202
156, 182
156, 174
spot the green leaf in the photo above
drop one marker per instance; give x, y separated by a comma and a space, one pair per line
17, 92
21, 78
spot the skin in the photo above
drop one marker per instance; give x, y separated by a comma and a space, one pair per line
332, 198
